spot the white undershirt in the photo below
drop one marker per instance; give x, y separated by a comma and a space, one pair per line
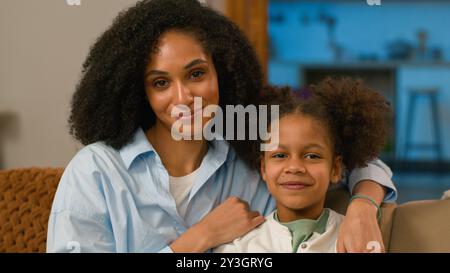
180, 187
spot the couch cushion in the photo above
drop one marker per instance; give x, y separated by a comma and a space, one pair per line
421, 226
26, 196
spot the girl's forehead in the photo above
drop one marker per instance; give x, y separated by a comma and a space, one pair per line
300, 129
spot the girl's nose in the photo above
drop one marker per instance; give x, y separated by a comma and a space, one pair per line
295, 166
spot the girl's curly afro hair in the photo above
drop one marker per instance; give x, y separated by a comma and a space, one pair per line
354, 115
110, 101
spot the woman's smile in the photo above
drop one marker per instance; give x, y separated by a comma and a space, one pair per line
190, 115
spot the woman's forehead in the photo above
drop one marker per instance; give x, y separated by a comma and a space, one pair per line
177, 48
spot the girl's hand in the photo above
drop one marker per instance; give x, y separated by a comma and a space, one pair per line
359, 231
228, 221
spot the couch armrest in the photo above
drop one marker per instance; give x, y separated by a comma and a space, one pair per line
421, 226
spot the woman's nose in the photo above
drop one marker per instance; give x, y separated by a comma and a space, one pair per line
183, 95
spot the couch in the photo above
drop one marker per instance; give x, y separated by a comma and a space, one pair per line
416, 226
26, 196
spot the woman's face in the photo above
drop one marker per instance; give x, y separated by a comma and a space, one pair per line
179, 71
300, 170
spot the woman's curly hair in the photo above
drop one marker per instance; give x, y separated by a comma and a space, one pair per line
354, 115
110, 102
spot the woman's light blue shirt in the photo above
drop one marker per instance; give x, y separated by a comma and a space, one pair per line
112, 200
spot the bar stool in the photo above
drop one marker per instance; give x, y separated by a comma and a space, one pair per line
431, 95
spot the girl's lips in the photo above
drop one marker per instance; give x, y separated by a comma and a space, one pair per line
294, 185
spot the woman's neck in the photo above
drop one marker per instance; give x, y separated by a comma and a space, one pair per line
180, 158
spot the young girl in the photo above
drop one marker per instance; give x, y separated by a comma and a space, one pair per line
336, 125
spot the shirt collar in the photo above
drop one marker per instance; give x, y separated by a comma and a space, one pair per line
310, 225
302, 229
137, 146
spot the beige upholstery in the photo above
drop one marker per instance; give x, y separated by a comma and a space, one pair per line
421, 226
418, 226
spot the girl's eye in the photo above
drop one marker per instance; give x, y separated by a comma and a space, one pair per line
197, 74
160, 83
279, 155
312, 156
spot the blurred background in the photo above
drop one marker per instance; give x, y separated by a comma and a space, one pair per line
401, 48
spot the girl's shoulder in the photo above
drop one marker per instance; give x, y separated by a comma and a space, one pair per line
334, 218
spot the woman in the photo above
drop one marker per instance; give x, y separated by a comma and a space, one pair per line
133, 188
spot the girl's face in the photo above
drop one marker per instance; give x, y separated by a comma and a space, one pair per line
179, 71
299, 172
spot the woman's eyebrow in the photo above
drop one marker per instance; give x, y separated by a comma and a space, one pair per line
156, 72
195, 62
164, 73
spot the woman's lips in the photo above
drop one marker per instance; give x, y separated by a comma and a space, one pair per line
189, 115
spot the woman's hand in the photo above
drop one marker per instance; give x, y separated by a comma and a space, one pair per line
228, 221
359, 232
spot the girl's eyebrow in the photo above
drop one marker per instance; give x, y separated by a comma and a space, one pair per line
314, 145
283, 147
306, 147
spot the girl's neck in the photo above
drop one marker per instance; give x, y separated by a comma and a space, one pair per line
180, 158
286, 214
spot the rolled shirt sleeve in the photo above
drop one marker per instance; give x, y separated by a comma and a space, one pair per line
166, 249
376, 171
72, 232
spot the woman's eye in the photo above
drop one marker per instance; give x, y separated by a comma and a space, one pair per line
197, 74
160, 83
279, 155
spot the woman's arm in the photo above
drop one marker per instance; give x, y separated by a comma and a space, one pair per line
73, 232
230, 220
377, 172
360, 225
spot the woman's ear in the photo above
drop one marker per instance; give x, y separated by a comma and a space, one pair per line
337, 170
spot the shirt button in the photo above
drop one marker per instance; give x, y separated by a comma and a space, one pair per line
303, 246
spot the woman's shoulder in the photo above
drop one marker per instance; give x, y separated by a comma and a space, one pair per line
94, 155
97, 149
81, 188
91, 164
